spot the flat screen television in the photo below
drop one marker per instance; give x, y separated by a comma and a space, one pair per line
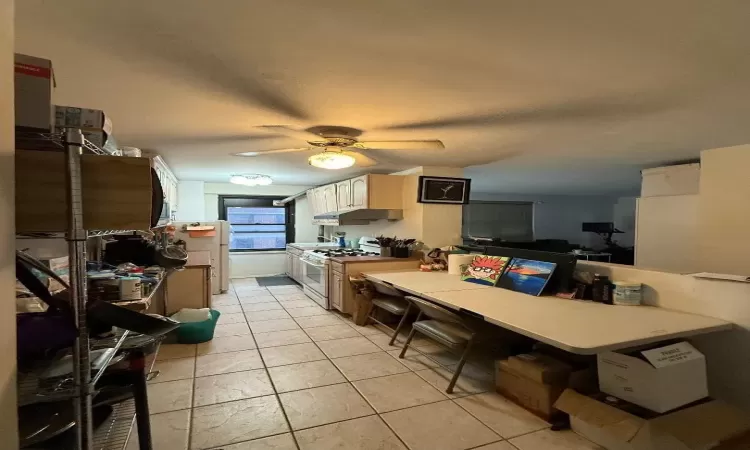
598, 227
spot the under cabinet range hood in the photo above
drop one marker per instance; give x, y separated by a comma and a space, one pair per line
357, 216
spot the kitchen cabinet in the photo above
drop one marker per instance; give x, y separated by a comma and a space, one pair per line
294, 264
320, 200
359, 196
341, 292
336, 291
289, 265
371, 191
190, 287
297, 269
329, 195
168, 182
344, 195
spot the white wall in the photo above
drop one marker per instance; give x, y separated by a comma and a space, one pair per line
560, 216
723, 212
8, 426
200, 202
434, 225
190, 207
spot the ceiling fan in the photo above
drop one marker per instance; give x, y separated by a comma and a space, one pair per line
340, 146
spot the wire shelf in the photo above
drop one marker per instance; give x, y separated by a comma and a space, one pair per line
30, 140
34, 388
114, 434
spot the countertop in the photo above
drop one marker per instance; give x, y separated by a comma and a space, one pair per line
199, 259
356, 259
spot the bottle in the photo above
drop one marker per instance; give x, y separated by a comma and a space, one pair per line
342, 241
602, 289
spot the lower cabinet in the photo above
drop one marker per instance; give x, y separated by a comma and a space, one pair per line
341, 293
189, 288
289, 265
336, 291
296, 269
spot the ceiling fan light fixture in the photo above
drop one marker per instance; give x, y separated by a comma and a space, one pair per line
251, 180
331, 160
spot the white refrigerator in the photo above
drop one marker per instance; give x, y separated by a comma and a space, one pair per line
218, 245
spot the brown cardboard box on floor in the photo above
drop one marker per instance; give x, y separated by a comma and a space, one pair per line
533, 395
541, 368
709, 425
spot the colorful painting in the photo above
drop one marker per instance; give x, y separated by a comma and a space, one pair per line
527, 276
485, 269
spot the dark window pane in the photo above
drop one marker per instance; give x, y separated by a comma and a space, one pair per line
237, 228
257, 241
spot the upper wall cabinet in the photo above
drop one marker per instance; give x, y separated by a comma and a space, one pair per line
168, 182
344, 195
358, 198
370, 191
329, 194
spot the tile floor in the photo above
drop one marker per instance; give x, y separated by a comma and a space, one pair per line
285, 374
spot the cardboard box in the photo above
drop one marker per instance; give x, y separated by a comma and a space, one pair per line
83, 118
664, 378
537, 397
709, 425
541, 368
33, 93
59, 265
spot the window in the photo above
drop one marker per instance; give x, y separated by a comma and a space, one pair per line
255, 224
511, 221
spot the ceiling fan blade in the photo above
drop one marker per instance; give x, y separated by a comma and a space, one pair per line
597, 108
291, 132
361, 159
401, 145
269, 152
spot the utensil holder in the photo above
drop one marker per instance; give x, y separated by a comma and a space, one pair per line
400, 252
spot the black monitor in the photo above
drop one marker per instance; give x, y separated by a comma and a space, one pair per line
598, 227
562, 277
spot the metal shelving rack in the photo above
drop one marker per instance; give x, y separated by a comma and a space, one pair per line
81, 390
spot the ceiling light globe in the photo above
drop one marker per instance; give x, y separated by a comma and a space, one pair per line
331, 160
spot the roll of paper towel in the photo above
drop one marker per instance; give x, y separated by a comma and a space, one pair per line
455, 261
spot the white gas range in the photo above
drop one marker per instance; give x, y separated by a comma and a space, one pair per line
316, 271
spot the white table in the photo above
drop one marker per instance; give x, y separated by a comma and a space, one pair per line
417, 283
581, 327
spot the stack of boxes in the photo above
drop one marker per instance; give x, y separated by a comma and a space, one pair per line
34, 112
536, 380
647, 399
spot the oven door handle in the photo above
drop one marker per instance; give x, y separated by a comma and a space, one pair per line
310, 263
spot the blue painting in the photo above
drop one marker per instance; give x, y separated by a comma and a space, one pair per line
527, 276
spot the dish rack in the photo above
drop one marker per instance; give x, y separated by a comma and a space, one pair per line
81, 387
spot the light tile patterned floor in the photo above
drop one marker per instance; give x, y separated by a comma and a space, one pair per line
284, 374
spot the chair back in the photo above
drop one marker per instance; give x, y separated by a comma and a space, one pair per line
384, 289
436, 312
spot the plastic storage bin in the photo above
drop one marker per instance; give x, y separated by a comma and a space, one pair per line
197, 332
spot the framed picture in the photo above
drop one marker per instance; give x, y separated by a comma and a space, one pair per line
485, 269
451, 191
527, 276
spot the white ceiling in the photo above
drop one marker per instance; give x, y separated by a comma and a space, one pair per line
566, 97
